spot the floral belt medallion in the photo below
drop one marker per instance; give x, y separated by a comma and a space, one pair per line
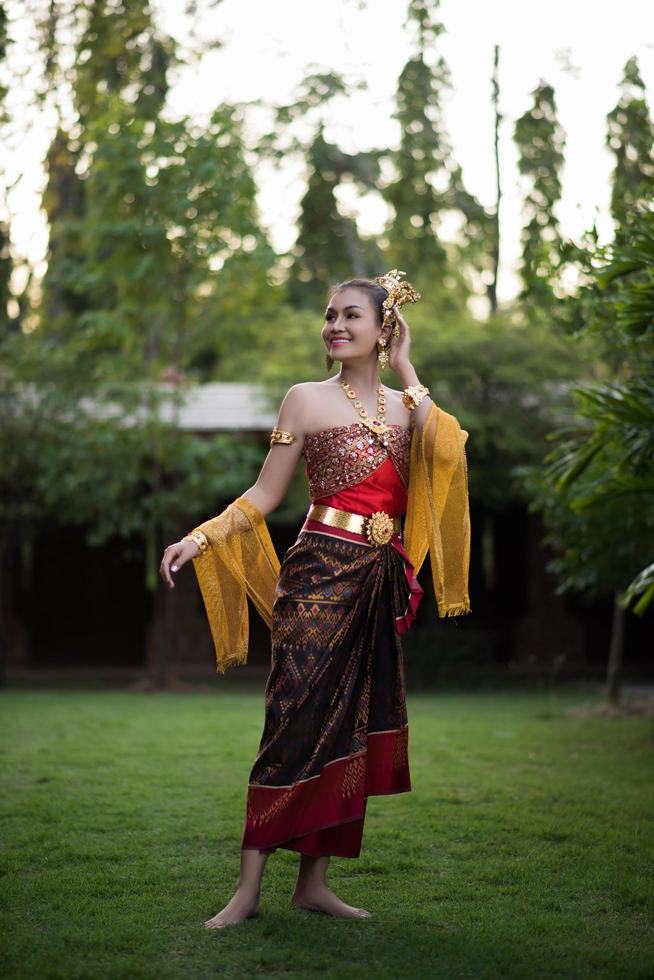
379, 528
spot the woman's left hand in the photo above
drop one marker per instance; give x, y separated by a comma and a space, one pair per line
398, 351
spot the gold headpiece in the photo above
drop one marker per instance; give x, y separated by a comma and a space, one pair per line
399, 293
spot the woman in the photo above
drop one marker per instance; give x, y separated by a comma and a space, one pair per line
335, 727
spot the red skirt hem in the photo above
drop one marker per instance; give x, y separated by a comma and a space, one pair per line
324, 814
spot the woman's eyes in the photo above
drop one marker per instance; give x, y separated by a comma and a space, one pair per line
330, 316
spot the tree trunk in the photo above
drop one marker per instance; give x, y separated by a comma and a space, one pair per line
616, 653
492, 289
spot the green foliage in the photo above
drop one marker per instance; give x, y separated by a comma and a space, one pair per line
158, 268
503, 380
599, 479
328, 248
63, 298
427, 184
164, 208
7, 322
643, 587
121, 53
106, 461
630, 137
540, 141
596, 550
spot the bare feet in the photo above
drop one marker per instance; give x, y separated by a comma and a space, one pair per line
241, 906
320, 898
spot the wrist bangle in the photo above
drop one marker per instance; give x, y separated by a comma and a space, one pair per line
413, 395
199, 538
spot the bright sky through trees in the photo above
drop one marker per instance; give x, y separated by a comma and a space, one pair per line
579, 47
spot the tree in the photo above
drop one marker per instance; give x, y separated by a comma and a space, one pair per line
630, 136
540, 141
427, 184
148, 215
598, 482
7, 322
328, 247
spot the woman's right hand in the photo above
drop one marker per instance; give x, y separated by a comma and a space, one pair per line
174, 557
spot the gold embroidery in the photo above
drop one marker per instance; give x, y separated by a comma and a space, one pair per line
263, 816
278, 435
400, 749
344, 455
353, 776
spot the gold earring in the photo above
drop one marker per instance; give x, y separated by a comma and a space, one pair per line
382, 355
329, 361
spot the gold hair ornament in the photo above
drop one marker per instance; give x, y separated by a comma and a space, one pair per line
399, 293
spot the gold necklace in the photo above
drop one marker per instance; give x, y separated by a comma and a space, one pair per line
376, 425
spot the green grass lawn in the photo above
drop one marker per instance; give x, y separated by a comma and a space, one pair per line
525, 848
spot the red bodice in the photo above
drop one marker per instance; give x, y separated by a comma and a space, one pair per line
382, 490
347, 467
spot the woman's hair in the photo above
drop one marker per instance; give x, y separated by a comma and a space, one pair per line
376, 292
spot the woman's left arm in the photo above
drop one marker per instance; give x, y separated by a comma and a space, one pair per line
400, 362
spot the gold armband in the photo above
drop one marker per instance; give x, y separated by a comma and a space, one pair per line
278, 435
200, 540
413, 395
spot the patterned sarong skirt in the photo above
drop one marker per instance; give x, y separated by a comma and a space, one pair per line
335, 728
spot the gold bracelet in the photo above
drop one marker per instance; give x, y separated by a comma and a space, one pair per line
199, 538
279, 435
413, 395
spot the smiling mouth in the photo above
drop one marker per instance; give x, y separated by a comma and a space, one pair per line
340, 340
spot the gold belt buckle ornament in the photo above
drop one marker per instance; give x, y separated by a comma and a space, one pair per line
379, 528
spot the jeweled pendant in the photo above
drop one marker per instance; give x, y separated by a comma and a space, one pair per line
378, 428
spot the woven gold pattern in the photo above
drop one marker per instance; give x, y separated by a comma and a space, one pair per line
354, 776
343, 455
401, 748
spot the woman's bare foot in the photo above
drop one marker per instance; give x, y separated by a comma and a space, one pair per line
320, 898
241, 906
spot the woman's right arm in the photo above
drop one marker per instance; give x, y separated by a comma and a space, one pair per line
282, 459
271, 485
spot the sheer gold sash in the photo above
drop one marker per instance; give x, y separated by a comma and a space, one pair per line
438, 517
241, 561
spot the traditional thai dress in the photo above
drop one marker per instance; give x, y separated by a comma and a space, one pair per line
336, 729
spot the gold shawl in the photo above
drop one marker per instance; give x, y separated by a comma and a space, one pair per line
437, 516
241, 559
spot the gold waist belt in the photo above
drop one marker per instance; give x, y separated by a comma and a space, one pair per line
379, 527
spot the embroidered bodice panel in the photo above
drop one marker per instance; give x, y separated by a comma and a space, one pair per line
344, 455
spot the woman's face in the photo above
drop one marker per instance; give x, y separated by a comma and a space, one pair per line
351, 329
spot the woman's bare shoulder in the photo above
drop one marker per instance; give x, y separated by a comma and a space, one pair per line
302, 404
305, 393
